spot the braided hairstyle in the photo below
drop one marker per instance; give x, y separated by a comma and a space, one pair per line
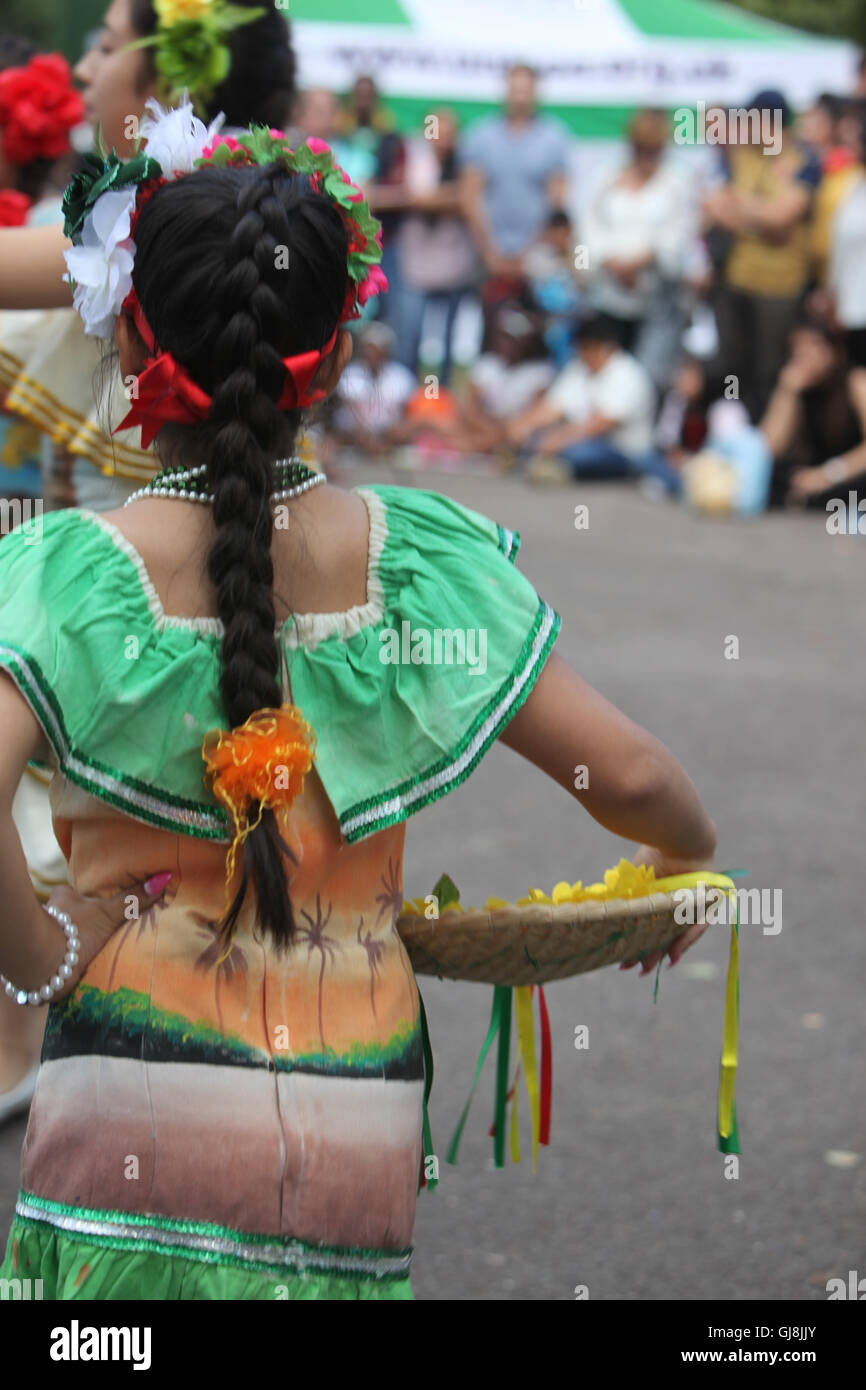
206, 274
260, 86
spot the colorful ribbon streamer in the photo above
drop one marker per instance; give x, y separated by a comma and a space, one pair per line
423, 1180
540, 1089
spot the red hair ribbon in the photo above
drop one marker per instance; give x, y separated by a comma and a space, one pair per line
165, 391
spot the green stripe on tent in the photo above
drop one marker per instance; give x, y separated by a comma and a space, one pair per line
704, 19
347, 11
592, 122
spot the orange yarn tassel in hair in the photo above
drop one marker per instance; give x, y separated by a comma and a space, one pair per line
263, 760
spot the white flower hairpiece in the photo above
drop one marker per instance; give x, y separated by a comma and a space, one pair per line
100, 268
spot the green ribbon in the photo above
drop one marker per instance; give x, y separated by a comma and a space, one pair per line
454, 1146
428, 1087
500, 1024
502, 1002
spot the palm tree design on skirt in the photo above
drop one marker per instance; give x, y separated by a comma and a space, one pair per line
235, 963
375, 953
325, 945
393, 894
146, 922
392, 897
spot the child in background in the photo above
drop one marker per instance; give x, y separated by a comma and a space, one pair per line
681, 428
373, 394
503, 382
554, 283
597, 418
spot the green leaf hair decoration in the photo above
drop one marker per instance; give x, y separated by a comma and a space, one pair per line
100, 176
191, 43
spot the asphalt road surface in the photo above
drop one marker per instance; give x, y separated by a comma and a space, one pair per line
631, 1199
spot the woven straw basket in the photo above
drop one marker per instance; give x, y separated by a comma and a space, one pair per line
539, 942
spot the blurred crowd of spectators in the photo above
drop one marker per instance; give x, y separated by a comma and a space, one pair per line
697, 318
701, 324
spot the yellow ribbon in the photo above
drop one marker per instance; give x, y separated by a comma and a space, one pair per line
526, 1043
515, 1129
728, 1074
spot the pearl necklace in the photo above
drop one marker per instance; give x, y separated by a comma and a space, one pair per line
189, 483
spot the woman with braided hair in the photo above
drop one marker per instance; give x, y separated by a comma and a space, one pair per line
232, 1097
237, 62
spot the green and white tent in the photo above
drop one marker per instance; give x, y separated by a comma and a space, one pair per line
597, 59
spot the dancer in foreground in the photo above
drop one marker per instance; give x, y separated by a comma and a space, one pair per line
235, 61
230, 1101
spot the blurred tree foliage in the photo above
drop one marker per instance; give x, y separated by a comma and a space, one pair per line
844, 19
53, 24
35, 19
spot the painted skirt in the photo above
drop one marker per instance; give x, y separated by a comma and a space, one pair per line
239, 1129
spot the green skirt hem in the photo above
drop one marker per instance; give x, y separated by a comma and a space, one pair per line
53, 1265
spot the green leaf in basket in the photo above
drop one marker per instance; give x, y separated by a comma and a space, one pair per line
446, 893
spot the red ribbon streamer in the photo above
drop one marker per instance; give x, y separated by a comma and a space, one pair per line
546, 1069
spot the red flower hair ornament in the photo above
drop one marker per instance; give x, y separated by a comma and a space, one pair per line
38, 108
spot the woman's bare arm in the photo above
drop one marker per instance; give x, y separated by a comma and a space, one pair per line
32, 268
636, 787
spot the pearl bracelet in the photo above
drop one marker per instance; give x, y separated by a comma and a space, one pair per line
47, 992
835, 471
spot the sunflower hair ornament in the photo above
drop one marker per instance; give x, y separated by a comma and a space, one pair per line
191, 44
263, 760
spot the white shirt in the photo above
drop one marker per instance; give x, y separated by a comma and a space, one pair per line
507, 390
657, 219
622, 391
847, 269
373, 403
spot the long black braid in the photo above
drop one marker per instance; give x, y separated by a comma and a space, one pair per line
207, 274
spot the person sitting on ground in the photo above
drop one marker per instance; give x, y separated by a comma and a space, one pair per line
815, 424
681, 428
505, 381
373, 394
597, 418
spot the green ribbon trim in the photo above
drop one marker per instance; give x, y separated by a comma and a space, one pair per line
454, 1146
500, 1023
502, 1001
428, 1087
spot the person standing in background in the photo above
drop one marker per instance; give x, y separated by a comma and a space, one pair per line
841, 168
367, 126
437, 259
319, 117
637, 232
514, 174
766, 206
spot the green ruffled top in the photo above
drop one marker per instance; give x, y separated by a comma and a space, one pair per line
125, 692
